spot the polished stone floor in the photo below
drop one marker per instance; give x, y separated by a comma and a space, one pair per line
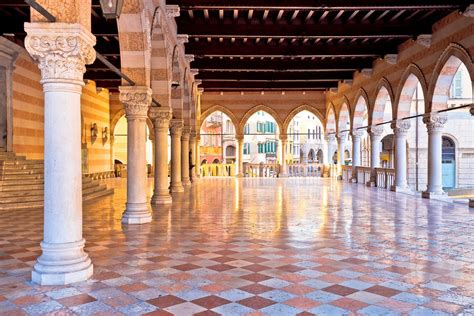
257, 246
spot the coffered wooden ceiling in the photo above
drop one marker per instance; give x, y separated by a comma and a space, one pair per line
247, 45
298, 44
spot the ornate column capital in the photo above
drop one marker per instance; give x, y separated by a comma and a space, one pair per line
400, 127
342, 136
435, 122
160, 117
376, 131
136, 100
186, 133
193, 135
61, 49
330, 138
283, 137
357, 134
176, 127
239, 138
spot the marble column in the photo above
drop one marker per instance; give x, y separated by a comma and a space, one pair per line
176, 129
434, 124
161, 117
185, 156
400, 130
356, 161
136, 101
198, 155
62, 51
284, 168
375, 142
341, 138
192, 148
240, 155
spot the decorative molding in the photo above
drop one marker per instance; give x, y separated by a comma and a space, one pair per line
400, 127
182, 39
198, 82
367, 72
330, 138
194, 71
136, 100
435, 122
176, 127
172, 11
160, 117
391, 59
186, 133
424, 40
342, 136
62, 50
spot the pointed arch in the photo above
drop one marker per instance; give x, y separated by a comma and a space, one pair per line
135, 45
219, 108
330, 119
446, 67
301, 108
383, 93
176, 85
407, 86
361, 109
343, 117
254, 110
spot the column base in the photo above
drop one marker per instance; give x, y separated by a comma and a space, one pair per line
240, 175
471, 201
136, 213
176, 188
62, 264
339, 177
161, 199
283, 175
401, 189
430, 195
354, 179
371, 183
186, 182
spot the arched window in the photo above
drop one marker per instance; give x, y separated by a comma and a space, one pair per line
449, 163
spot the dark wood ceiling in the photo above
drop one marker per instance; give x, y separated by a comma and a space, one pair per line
269, 44
298, 44
13, 13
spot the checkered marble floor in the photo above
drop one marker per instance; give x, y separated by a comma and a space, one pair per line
256, 247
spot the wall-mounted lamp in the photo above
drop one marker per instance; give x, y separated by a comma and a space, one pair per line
111, 9
105, 134
94, 132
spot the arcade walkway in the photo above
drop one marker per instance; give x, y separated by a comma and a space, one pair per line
278, 246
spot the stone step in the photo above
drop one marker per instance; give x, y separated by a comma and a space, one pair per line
29, 166
22, 177
11, 183
22, 171
8, 163
21, 191
98, 194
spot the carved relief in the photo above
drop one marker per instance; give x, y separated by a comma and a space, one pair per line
376, 131
61, 49
176, 127
435, 122
161, 117
358, 133
401, 127
135, 99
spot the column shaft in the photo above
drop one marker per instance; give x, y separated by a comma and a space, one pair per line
62, 65
400, 130
342, 137
375, 142
434, 124
176, 129
284, 169
161, 120
240, 160
136, 101
185, 156
192, 148
356, 161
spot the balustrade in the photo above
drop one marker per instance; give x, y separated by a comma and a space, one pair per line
363, 174
305, 170
347, 173
263, 170
385, 178
217, 170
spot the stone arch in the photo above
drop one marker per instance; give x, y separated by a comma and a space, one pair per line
408, 84
254, 110
117, 116
384, 93
160, 70
446, 67
343, 117
301, 108
331, 119
361, 109
218, 108
176, 85
135, 45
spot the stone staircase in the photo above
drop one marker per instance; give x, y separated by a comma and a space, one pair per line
22, 182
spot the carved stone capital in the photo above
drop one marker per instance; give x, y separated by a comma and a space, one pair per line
194, 71
160, 117
239, 138
172, 10
62, 50
469, 12
435, 122
136, 100
189, 58
283, 137
424, 40
376, 131
182, 38
400, 127
176, 127
342, 136
199, 82
357, 134
367, 72
391, 59
186, 133
330, 138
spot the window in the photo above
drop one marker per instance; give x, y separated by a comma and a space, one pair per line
247, 129
246, 148
456, 87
